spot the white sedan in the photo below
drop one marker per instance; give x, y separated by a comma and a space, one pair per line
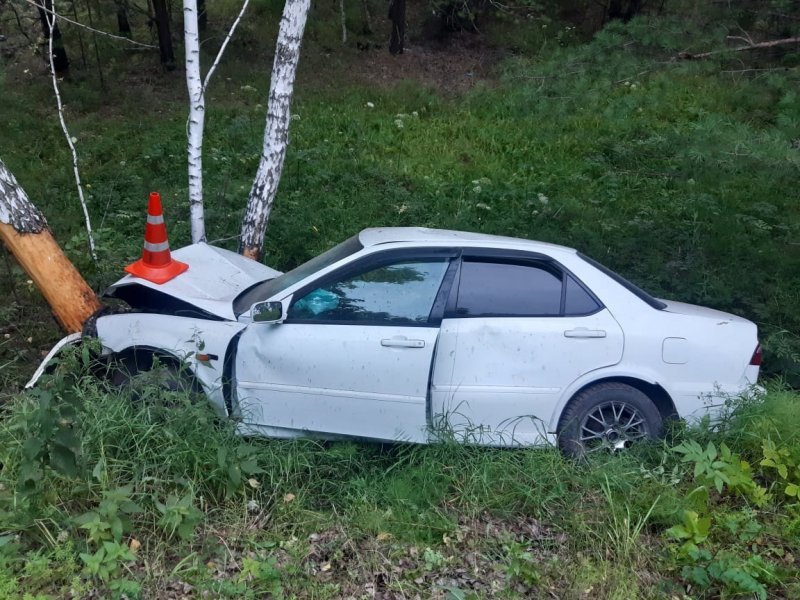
418, 334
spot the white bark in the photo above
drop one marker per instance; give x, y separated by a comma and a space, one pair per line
344, 21
51, 18
16, 209
276, 132
224, 44
196, 121
197, 111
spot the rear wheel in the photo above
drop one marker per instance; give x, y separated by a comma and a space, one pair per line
607, 417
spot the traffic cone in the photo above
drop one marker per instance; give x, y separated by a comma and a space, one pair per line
156, 264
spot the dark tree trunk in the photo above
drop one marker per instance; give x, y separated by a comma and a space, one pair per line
123, 24
397, 15
623, 10
60, 60
202, 15
164, 35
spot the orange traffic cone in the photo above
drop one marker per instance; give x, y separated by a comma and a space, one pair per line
156, 264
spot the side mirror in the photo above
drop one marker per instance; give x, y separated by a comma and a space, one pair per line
267, 312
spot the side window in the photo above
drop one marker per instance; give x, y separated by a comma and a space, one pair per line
399, 293
578, 301
507, 290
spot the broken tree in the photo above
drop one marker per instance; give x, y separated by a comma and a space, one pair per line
24, 230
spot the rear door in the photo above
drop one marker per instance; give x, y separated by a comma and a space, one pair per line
354, 355
516, 333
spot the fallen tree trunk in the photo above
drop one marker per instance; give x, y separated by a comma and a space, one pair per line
24, 231
770, 44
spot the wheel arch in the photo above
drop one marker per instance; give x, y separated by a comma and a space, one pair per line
142, 356
659, 396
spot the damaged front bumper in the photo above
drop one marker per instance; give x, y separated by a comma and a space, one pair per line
71, 340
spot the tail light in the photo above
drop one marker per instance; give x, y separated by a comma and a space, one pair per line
755, 361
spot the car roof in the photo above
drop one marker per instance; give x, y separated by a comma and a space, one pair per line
422, 235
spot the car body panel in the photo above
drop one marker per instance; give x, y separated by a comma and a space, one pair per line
179, 337
507, 373
339, 379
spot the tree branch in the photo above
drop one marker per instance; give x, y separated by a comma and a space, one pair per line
97, 31
224, 44
770, 44
51, 19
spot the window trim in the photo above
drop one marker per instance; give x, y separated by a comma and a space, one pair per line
377, 260
518, 257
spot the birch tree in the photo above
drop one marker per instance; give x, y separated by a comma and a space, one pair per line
24, 230
197, 110
276, 132
196, 122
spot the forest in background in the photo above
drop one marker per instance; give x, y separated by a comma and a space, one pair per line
586, 124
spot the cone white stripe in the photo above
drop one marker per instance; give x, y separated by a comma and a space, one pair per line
159, 247
155, 219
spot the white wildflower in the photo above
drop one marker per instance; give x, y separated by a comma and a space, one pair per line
399, 123
370, 105
542, 198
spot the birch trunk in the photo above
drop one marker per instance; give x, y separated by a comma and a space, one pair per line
24, 230
197, 115
276, 132
197, 110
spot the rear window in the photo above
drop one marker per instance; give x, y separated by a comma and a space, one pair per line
632, 288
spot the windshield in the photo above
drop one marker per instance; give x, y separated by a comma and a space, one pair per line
267, 289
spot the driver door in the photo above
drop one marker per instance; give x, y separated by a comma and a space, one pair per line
353, 356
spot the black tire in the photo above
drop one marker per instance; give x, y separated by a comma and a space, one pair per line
607, 417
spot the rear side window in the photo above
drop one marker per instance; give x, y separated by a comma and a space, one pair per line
503, 289
509, 289
577, 301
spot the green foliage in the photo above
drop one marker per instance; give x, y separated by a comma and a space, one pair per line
722, 468
179, 515
521, 565
693, 530
786, 466
262, 577
110, 520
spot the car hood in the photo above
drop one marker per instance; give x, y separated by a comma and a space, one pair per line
214, 279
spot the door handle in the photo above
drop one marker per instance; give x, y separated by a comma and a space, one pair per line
583, 332
402, 342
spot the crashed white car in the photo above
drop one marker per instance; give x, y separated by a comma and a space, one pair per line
415, 334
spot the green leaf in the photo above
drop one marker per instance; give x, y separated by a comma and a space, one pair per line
679, 532
32, 448
64, 461
792, 489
